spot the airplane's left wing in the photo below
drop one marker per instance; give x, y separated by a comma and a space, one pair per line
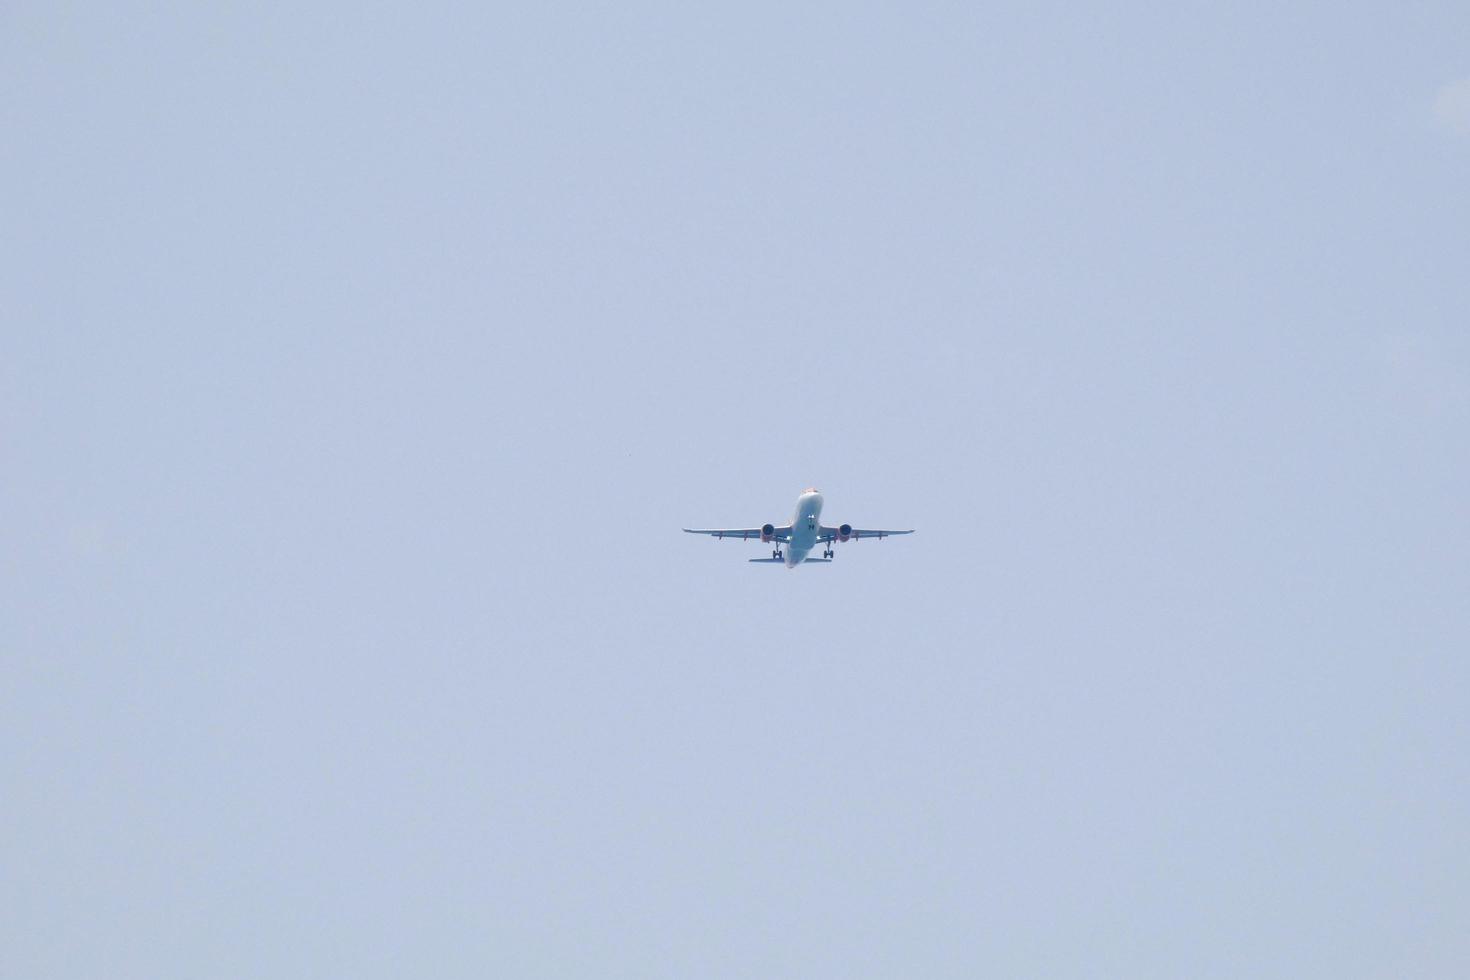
854, 533
743, 533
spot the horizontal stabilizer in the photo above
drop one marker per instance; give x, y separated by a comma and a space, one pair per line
782, 561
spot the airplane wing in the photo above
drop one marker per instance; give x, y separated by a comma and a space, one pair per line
743, 533
855, 534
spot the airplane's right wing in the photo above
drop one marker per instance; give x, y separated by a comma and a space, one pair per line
743, 533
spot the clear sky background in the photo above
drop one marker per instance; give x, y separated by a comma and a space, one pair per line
360, 364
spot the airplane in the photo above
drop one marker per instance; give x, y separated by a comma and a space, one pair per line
804, 533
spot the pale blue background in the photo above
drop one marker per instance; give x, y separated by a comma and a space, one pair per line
359, 365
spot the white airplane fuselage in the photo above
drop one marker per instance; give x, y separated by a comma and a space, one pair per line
795, 541
805, 526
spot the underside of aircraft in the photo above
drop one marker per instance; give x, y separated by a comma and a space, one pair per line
803, 534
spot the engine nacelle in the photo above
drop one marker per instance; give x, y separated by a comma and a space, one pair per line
768, 533
844, 532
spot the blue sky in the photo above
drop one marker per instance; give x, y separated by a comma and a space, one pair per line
358, 367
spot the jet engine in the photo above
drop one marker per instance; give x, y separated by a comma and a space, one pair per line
768, 533
844, 532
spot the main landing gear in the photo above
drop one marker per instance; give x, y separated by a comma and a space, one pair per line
776, 554
829, 553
